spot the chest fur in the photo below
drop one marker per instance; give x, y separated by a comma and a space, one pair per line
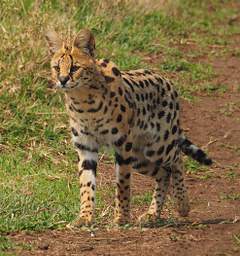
105, 118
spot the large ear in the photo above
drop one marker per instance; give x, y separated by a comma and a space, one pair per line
54, 42
85, 41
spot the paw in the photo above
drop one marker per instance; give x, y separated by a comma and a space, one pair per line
183, 208
148, 218
82, 221
121, 220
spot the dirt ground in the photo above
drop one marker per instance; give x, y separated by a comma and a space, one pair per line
213, 226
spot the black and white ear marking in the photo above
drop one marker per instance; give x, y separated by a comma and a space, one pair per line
54, 42
85, 41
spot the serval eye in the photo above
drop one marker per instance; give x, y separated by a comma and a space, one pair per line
74, 68
56, 68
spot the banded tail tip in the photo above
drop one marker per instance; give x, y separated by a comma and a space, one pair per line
208, 161
202, 157
194, 152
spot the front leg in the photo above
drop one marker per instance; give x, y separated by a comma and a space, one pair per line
123, 180
87, 150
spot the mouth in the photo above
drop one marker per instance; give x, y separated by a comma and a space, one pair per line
59, 85
67, 86
63, 86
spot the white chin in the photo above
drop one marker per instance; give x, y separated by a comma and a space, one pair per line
59, 85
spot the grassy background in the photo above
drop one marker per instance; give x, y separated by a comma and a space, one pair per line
38, 179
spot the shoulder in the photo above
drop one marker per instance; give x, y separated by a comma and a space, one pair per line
108, 68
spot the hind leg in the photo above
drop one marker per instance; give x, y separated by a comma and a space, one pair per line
162, 178
179, 189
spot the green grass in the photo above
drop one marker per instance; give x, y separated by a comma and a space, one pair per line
7, 245
193, 167
144, 199
231, 196
39, 187
232, 175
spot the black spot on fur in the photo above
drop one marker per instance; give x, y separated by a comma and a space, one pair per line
161, 114
129, 102
123, 108
127, 176
166, 135
85, 132
159, 161
74, 132
129, 83
116, 72
147, 72
144, 111
168, 86
174, 129
120, 141
134, 82
114, 130
89, 165
121, 161
140, 165
150, 153
104, 132
120, 91
168, 119
177, 106
109, 79
119, 118
112, 94
146, 83
164, 103
103, 64
77, 110
159, 79
141, 84
160, 150
156, 169
158, 139
163, 92
151, 81
85, 147
170, 147
93, 110
128, 146
105, 110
